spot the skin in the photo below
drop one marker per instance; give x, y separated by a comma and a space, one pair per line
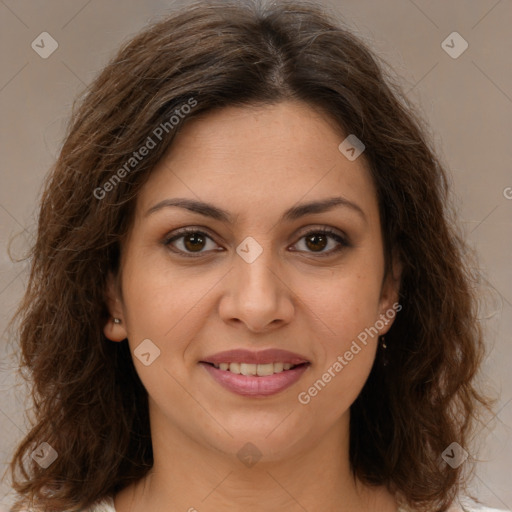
255, 163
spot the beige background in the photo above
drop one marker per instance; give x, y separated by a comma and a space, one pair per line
467, 101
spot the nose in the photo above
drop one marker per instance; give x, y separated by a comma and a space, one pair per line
256, 295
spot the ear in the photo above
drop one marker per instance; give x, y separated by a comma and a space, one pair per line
388, 304
114, 331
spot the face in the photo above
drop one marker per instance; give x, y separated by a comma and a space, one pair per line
254, 278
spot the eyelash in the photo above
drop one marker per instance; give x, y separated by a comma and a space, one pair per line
318, 231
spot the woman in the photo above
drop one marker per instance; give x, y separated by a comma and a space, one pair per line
246, 292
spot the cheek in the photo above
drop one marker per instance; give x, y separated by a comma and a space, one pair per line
346, 303
346, 311
159, 304
353, 336
163, 313
332, 389
345, 351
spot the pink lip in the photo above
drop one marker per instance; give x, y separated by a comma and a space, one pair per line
249, 385
270, 355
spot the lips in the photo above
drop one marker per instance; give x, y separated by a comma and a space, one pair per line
262, 373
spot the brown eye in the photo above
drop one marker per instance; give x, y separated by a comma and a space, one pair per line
317, 240
194, 242
189, 241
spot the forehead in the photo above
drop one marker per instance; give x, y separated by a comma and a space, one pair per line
261, 156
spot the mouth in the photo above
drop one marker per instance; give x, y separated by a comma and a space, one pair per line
255, 380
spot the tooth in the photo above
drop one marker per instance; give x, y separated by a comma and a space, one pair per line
247, 369
250, 369
265, 369
278, 367
234, 368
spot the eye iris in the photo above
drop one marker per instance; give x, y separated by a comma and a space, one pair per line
196, 238
314, 239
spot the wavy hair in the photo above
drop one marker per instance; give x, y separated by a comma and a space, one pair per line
89, 403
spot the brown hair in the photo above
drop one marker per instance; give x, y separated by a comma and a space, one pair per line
89, 402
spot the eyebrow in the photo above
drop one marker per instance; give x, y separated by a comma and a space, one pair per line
295, 212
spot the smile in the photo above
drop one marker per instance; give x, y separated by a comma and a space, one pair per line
255, 379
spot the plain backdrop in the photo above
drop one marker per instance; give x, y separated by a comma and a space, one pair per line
466, 100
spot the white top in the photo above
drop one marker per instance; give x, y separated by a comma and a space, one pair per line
107, 505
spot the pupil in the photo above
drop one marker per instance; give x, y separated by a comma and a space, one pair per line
315, 238
196, 239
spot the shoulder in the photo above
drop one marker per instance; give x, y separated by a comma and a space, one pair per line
464, 507
475, 508
107, 505
481, 509
104, 505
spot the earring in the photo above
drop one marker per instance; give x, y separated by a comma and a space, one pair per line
117, 320
384, 347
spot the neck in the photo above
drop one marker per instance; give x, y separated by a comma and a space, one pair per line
188, 476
